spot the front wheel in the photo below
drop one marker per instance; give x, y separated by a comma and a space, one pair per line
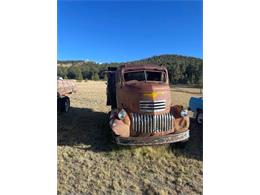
65, 104
179, 145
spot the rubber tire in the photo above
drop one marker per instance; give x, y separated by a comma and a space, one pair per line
197, 117
59, 103
179, 145
65, 105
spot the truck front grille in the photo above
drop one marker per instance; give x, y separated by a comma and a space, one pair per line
145, 123
152, 106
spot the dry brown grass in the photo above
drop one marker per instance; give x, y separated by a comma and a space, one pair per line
88, 163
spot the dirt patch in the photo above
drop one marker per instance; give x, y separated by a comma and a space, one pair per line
89, 163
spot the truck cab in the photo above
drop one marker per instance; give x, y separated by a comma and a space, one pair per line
141, 109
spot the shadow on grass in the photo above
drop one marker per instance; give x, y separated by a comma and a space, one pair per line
86, 129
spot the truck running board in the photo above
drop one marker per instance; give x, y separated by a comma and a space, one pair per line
153, 140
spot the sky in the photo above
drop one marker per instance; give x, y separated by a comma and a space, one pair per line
115, 31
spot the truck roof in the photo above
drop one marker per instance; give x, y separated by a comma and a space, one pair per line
130, 67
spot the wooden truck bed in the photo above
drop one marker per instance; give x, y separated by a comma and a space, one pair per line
65, 87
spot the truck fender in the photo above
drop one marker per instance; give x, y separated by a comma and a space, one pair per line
120, 128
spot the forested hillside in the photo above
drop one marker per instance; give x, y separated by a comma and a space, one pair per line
182, 69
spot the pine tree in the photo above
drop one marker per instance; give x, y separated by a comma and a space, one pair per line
95, 77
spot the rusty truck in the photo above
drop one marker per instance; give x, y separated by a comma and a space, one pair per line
64, 89
141, 109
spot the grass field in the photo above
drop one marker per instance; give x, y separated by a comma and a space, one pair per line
88, 163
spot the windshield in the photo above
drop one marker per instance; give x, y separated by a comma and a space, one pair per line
144, 76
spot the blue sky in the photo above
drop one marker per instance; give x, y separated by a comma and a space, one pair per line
117, 31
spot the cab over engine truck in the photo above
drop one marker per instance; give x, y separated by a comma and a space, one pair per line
141, 109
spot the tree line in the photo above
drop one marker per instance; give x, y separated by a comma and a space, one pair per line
181, 69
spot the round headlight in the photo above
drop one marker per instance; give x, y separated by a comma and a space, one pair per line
184, 113
122, 114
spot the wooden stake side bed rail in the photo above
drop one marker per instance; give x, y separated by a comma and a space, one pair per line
65, 87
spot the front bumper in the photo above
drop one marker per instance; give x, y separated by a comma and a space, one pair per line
153, 140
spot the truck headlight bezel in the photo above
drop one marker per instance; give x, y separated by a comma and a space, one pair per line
122, 114
184, 113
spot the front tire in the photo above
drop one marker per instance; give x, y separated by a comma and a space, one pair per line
65, 105
179, 145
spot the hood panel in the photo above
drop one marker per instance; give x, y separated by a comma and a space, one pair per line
136, 97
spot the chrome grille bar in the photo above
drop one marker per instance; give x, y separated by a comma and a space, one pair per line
144, 123
152, 106
160, 122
